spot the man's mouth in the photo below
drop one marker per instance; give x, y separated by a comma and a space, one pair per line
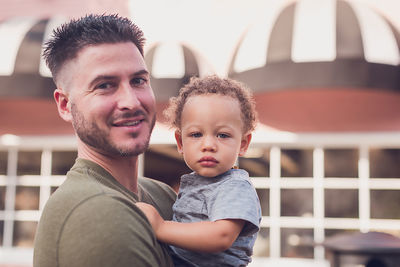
127, 123
128, 119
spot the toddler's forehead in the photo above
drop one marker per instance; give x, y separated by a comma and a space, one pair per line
211, 96
208, 101
212, 101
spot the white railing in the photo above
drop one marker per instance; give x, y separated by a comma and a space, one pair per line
274, 142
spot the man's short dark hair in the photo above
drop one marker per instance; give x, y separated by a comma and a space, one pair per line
68, 39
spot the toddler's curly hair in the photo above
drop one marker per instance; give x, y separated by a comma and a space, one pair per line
213, 85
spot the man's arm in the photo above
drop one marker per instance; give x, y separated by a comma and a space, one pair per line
206, 236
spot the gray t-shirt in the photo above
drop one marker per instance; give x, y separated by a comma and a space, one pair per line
227, 196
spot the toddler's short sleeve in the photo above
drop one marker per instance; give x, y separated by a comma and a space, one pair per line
236, 199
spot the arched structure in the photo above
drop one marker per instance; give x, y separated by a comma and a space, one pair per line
322, 66
171, 65
26, 86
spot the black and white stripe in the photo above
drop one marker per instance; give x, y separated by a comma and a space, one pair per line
22, 69
319, 43
171, 65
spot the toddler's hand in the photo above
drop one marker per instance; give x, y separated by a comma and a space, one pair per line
152, 215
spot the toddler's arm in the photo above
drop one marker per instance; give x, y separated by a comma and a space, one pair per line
205, 236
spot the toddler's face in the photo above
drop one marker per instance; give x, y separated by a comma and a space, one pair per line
211, 136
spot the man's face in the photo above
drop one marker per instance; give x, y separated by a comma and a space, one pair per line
111, 103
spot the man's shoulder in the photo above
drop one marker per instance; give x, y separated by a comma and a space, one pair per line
155, 187
84, 201
82, 213
96, 222
150, 184
158, 194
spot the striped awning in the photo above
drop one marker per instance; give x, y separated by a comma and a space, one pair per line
319, 44
23, 72
171, 65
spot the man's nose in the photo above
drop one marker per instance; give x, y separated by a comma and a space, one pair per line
127, 98
209, 144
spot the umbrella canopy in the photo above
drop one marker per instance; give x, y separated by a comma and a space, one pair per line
22, 70
370, 242
26, 87
319, 43
171, 65
322, 65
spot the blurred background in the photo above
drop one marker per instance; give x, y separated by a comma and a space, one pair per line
326, 77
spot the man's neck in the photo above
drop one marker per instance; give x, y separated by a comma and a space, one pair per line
123, 169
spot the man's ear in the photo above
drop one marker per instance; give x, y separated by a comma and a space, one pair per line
178, 138
63, 104
244, 144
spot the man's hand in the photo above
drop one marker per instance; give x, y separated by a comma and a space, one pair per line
152, 215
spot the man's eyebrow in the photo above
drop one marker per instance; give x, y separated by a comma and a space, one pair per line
141, 72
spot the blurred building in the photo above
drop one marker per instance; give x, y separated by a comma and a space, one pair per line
324, 158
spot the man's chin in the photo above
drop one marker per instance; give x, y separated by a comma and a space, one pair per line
116, 145
131, 152
131, 149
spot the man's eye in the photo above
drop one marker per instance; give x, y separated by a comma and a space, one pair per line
138, 81
196, 135
223, 135
104, 86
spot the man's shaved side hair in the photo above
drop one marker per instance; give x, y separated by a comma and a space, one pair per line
70, 38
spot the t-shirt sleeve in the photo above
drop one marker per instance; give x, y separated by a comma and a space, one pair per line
236, 199
109, 231
162, 196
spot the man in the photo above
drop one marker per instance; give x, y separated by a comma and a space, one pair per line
103, 89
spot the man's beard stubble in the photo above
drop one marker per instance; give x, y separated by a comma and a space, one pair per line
92, 135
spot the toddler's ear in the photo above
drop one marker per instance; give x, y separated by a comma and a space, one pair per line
178, 138
244, 144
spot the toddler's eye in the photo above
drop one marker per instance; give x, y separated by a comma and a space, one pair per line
223, 135
196, 135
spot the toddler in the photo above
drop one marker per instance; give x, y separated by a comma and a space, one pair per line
217, 212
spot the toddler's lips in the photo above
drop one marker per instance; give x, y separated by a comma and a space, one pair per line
208, 161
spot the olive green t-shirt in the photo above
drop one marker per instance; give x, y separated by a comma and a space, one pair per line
91, 220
